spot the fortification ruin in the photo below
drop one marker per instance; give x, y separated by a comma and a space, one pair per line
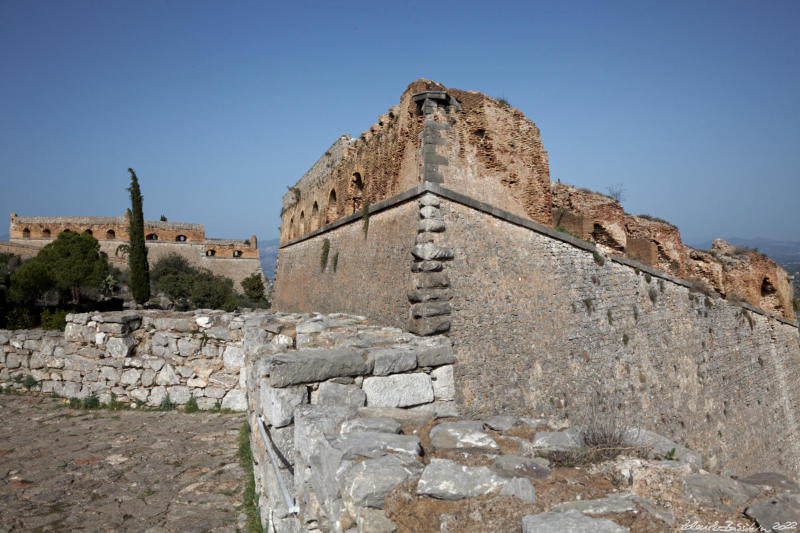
232, 258
441, 219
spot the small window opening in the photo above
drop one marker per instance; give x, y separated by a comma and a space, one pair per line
111, 234
181, 238
151, 237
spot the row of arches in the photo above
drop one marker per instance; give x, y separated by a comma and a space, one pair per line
47, 234
333, 210
213, 253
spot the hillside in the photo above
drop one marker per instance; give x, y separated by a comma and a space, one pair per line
268, 252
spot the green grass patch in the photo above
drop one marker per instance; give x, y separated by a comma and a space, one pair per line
249, 495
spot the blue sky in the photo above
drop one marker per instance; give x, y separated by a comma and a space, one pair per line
219, 106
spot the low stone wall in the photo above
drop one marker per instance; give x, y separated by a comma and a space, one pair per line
139, 357
342, 369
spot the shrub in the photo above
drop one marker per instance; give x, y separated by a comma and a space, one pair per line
90, 402
250, 496
647, 277
587, 302
617, 193
503, 101
212, 292
20, 318
625, 339
796, 305
661, 285
29, 382
191, 406
55, 320
166, 404
335, 262
253, 286
656, 219
173, 275
610, 318
599, 259
653, 294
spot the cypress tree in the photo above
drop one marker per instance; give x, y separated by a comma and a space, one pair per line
137, 255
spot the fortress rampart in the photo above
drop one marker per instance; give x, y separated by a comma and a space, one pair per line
544, 322
232, 258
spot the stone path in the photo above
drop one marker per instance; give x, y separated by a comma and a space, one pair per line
68, 470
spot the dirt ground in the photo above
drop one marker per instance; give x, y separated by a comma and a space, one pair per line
70, 470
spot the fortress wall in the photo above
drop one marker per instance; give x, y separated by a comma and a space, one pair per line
541, 327
234, 268
372, 274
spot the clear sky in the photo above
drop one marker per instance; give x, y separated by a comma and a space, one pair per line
691, 106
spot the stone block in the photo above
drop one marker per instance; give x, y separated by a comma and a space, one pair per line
782, 509
130, 376
278, 405
427, 266
499, 422
188, 347
341, 395
520, 488
517, 466
167, 376
179, 395
431, 252
399, 390
148, 376
235, 400
446, 480
572, 521
600, 506
444, 386
233, 357
558, 441
317, 365
392, 359
428, 199
430, 224
431, 280
429, 295
429, 326
366, 483
430, 211
37, 360
466, 434
376, 444
718, 492
119, 347
157, 395
381, 424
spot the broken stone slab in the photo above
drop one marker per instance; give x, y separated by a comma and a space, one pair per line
393, 359
600, 506
374, 521
781, 510
520, 488
572, 521
375, 444
366, 483
711, 490
467, 434
439, 408
427, 266
382, 424
317, 365
431, 280
343, 395
761, 479
233, 357
312, 422
558, 441
500, 422
429, 295
447, 480
518, 466
235, 400
431, 252
660, 446
435, 351
398, 390
403, 416
429, 326
665, 515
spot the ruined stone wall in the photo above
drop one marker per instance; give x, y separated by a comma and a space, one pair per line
541, 326
364, 274
472, 143
139, 357
109, 228
235, 268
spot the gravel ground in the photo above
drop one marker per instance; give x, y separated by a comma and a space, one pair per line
68, 470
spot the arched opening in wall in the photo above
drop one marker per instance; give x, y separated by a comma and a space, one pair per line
151, 237
89, 232
111, 234
357, 191
26, 233
181, 238
237, 253
291, 229
46, 233
330, 212
302, 223
314, 222
67, 231
211, 253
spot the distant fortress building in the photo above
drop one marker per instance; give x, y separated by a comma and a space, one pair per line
232, 258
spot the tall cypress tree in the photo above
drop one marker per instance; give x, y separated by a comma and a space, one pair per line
137, 254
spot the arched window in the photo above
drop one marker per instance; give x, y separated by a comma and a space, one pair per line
46, 233
302, 222
111, 234
181, 238
88, 232
26, 233
237, 253
314, 217
357, 191
151, 237
67, 231
330, 212
211, 253
291, 228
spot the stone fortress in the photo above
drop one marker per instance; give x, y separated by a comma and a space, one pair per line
232, 258
442, 219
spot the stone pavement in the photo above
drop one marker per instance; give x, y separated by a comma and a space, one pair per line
69, 470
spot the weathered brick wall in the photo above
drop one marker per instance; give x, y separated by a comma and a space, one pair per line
541, 327
372, 274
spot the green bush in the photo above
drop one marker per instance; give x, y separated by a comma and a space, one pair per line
166, 404
20, 318
55, 320
191, 406
253, 286
323, 257
212, 292
796, 305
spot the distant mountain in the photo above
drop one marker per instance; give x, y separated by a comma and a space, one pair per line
268, 251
